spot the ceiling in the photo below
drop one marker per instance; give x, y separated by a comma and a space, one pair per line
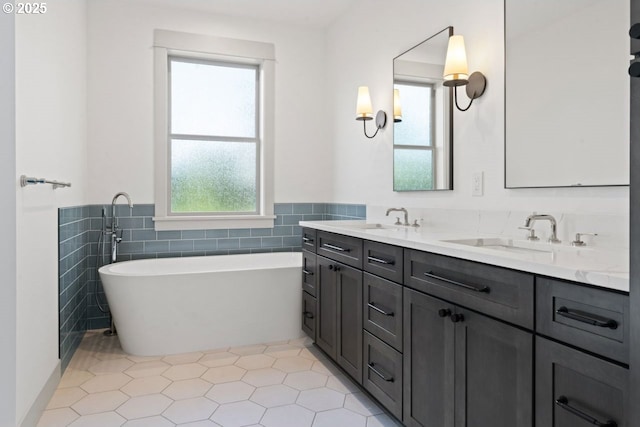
315, 13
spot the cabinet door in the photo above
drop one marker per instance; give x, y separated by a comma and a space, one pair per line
494, 366
349, 348
309, 272
428, 361
327, 294
574, 389
309, 308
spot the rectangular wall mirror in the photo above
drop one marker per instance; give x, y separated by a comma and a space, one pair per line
566, 93
423, 118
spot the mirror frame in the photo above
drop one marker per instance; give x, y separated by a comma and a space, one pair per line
449, 31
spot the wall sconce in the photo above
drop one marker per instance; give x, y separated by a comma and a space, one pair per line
397, 107
364, 111
456, 72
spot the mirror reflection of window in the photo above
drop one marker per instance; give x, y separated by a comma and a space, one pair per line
423, 118
414, 138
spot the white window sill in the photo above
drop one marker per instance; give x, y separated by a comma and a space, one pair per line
209, 223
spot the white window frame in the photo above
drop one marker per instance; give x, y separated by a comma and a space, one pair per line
172, 43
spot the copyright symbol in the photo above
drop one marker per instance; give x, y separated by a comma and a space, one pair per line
7, 7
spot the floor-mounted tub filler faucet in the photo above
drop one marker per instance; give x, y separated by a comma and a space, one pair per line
406, 215
113, 232
531, 219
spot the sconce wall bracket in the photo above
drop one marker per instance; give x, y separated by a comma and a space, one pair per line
381, 121
476, 86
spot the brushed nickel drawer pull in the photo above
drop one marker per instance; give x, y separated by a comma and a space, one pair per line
307, 272
563, 402
379, 310
378, 373
381, 261
474, 288
587, 318
335, 248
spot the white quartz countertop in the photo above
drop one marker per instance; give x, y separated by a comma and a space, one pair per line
606, 268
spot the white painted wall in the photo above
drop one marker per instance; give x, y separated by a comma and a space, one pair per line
120, 67
8, 184
361, 46
51, 143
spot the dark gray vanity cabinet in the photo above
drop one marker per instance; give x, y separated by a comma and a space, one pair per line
383, 309
383, 321
429, 360
452, 343
575, 389
309, 315
349, 324
493, 363
459, 363
309, 283
309, 273
382, 373
595, 320
577, 386
498, 292
327, 294
339, 331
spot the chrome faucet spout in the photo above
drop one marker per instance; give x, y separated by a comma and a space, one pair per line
531, 219
403, 210
113, 203
115, 239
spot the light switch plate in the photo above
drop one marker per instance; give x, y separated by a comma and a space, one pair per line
477, 184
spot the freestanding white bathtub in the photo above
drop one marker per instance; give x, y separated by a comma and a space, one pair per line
179, 305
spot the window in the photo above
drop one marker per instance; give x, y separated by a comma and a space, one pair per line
213, 141
414, 147
214, 131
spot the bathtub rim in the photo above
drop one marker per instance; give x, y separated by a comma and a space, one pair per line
108, 269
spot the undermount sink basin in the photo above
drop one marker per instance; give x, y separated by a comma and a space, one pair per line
371, 226
504, 245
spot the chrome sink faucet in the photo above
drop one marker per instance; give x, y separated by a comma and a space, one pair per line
531, 219
406, 215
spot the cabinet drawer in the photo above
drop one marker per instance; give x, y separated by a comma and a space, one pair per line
383, 310
592, 319
309, 308
345, 249
383, 260
382, 374
309, 272
574, 389
496, 291
309, 239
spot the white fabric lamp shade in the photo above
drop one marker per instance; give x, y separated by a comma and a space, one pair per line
455, 67
364, 110
397, 107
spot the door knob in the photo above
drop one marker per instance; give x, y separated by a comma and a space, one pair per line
455, 318
444, 312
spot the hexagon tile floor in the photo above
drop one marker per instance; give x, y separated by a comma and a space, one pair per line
286, 384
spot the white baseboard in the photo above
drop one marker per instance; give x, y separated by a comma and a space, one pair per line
41, 402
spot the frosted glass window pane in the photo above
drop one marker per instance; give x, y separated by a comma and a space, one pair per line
214, 100
412, 170
417, 116
213, 176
